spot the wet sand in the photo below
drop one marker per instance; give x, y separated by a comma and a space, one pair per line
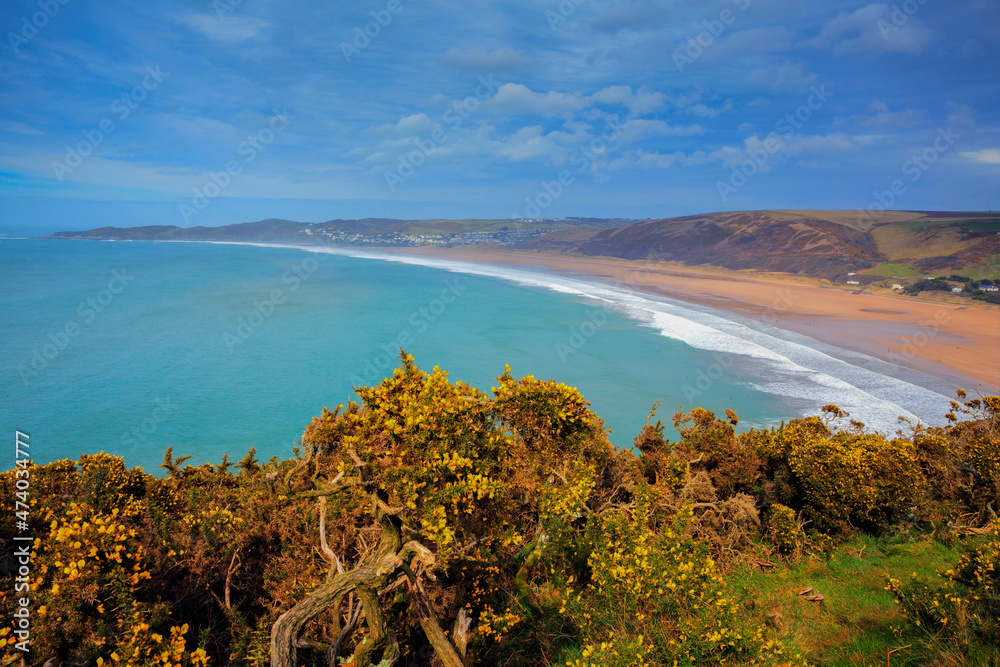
959, 343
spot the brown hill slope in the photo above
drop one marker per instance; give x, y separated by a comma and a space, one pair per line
739, 240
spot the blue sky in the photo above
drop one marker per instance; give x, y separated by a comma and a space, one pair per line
131, 113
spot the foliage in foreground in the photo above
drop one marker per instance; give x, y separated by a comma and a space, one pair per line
434, 523
958, 612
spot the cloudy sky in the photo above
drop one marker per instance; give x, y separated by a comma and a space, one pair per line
201, 112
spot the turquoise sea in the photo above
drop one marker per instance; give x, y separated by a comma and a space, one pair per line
131, 347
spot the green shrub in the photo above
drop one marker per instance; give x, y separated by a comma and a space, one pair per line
959, 612
653, 596
783, 528
863, 481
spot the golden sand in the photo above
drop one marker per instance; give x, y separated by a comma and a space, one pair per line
960, 342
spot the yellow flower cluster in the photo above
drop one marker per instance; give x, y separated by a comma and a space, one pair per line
140, 647
963, 599
495, 625
864, 480
215, 524
654, 596
87, 544
567, 501
783, 527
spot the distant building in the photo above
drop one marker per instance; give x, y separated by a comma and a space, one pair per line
852, 273
956, 289
990, 288
853, 282
897, 286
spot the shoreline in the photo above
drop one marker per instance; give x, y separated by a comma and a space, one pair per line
954, 343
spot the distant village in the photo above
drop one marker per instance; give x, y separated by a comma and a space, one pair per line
983, 289
501, 237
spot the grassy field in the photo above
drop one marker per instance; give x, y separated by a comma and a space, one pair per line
902, 270
856, 624
893, 270
916, 239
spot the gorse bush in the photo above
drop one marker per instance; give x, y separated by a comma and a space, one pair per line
959, 612
861, 481
432, 522
651, 595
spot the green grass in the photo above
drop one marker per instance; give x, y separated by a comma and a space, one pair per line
854, 624
972, 272
985, 225
991, 270
891, 270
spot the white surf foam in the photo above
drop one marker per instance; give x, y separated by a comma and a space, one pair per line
810, 373
804, 371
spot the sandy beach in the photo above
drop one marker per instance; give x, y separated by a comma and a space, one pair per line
959, 343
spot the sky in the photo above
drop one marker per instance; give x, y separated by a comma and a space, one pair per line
184, 112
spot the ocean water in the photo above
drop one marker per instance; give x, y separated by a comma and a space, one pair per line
132, 347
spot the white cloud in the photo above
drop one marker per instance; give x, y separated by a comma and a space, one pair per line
529, 143
640, 102
786, 75
754, 41
200, 128
819, 143
612, 95
228, 29
18, 128
870, 29
704, 111
410, 126
984, 156
634, 15
517, 98
482, 60
731, 156
637, 128
879, 115
641, 159
645, 101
